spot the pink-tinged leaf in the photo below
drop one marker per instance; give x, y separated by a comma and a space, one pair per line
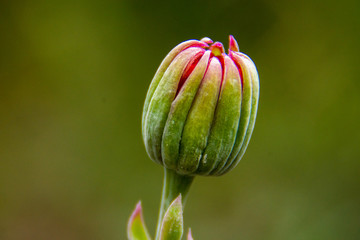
233, 45
189, 236
136, 226
172, 224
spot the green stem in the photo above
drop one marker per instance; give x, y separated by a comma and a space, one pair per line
173, 185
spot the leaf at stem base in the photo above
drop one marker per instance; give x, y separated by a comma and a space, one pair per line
189, 236
136, 226
172, 224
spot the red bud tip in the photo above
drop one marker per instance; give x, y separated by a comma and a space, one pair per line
233, 46
206, 40
217, 49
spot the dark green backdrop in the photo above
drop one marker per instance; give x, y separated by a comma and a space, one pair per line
73, 78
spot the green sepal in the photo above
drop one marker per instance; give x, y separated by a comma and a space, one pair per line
160, 103
172, 224
243, 120
161, 70
226, 120
246, 63
136, 227
198, 123
178, 113
254, 107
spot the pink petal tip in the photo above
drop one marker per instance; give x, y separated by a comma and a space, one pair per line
206, 40
217, 49
233, 46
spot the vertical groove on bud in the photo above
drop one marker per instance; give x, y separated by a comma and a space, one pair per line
188, 70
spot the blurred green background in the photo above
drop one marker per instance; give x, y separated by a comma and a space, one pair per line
74, 75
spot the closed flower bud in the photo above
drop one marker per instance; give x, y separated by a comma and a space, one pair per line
200, 108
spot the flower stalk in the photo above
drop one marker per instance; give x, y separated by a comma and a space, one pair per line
173, 185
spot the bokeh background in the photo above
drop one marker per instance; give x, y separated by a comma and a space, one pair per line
73, 78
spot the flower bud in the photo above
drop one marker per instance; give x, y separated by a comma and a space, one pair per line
200, 109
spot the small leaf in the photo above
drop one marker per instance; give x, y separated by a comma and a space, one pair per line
172, 224
136, 226
189, 236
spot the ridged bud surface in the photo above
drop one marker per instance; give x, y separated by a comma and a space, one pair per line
200, 109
